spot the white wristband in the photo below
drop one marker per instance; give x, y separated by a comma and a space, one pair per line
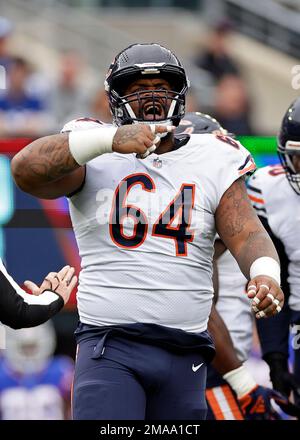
265, 266
85, 145
240, 380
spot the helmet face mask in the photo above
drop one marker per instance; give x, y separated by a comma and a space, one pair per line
146, 61
160, 103
292, 175
288, 144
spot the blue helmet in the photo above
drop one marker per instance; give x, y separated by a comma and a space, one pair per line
289, 143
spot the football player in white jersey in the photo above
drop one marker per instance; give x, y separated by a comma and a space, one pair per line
275, 194
231, 313
145, 208
20, 309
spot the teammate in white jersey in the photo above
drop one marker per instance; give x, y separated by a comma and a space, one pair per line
231, 327
231, 302
145, 226
275, 194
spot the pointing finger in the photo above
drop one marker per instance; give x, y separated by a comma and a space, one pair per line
162, 128
151, 149
157, 140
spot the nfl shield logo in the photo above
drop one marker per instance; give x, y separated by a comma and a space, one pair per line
157, 163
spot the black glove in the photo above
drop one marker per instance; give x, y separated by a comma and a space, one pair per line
284, 381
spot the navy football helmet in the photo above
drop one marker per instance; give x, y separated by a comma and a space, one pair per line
146, 61
289, 143
197, 122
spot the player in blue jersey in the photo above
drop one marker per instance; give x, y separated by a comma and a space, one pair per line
34, 384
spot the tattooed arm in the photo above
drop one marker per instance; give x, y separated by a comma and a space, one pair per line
47, 169
244, 235
240, 229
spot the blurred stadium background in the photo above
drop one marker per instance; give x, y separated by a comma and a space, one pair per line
241, 58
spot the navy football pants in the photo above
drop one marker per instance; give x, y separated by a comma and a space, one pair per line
130, 380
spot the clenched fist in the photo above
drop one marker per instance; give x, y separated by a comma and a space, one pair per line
267, 296
138, 138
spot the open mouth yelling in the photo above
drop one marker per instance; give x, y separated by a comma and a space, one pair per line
153, 110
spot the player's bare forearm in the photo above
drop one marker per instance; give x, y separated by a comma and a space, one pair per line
226, 358
240, 228
257, 244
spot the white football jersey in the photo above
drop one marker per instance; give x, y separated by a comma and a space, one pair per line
274, 199
234, 305
145, 258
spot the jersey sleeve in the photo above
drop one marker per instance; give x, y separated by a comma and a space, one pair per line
274, 333
236, 162
82, 124
255, 193
18, 309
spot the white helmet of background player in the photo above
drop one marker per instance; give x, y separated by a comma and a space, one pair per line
28, 350
146, 61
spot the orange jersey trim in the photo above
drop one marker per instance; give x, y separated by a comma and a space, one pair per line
215, 407
256, 199
250, 168
230, 402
